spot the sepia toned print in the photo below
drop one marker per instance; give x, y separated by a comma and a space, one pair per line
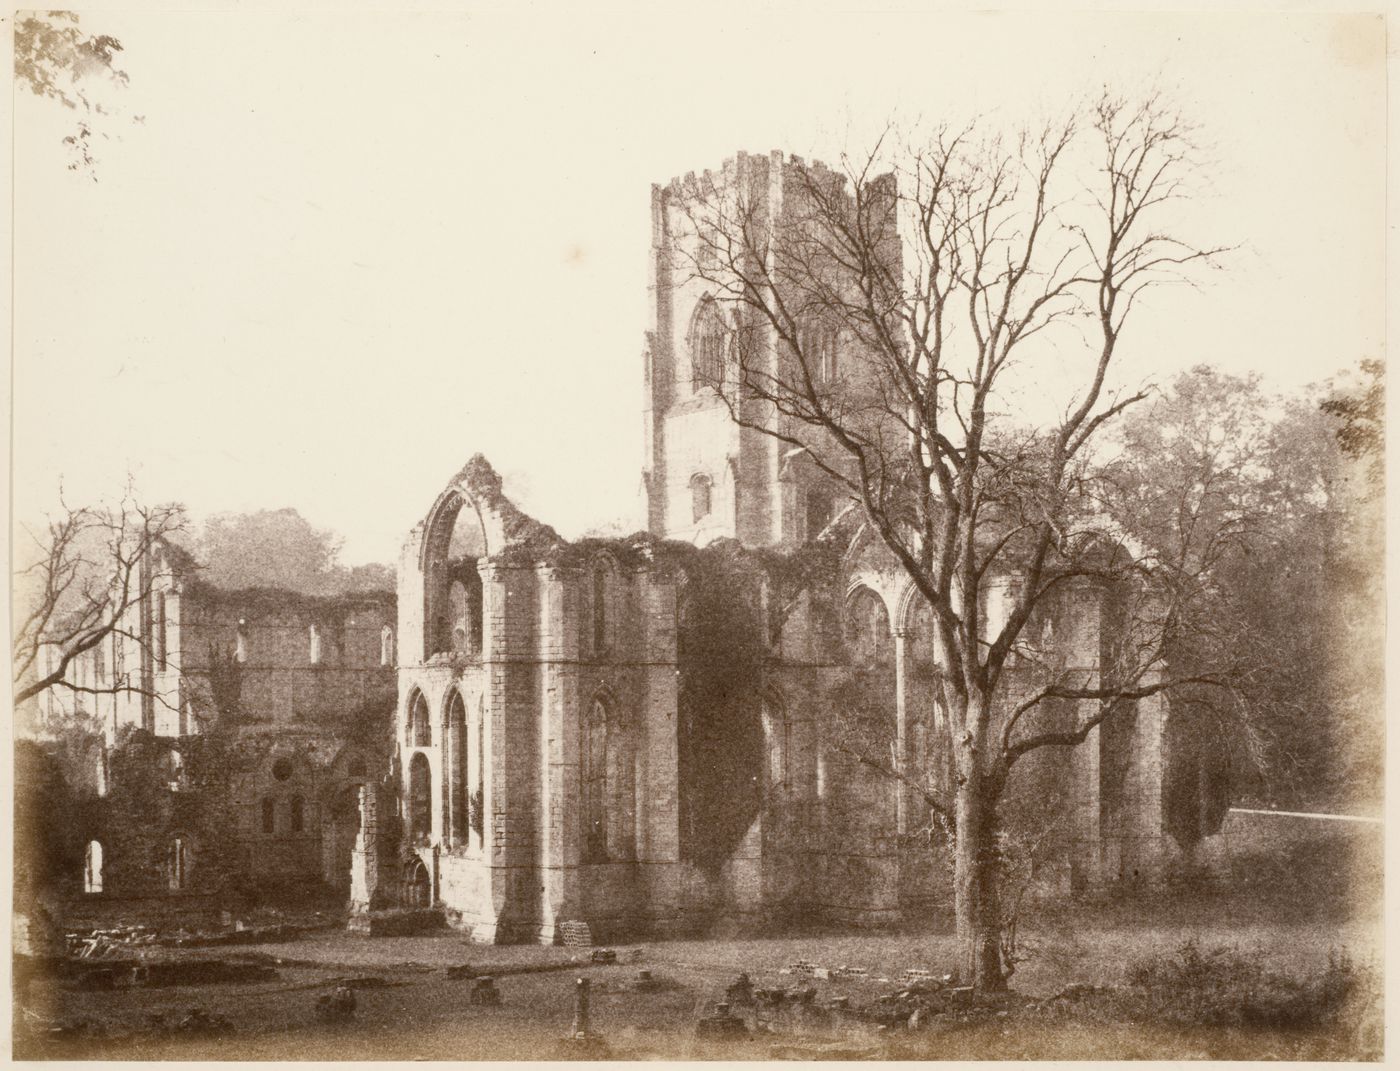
983, 661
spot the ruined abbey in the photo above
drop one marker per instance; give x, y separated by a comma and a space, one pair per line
729, 718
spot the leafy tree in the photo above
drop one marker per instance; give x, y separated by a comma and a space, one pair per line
1287, 557
1362, 416
57, 60
280, 549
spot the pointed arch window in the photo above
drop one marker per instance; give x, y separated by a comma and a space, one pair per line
162, 632
298, 814
709, 345
386, 646
269, 815
420, 798
454, 770
701, 497
420, 727
868, 638
315, 638
608, 785
777, 736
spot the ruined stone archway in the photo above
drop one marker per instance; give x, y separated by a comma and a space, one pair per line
417, 884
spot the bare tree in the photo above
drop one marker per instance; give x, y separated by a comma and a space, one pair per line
91, 569
879, 322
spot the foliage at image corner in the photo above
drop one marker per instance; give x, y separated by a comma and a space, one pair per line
58, 61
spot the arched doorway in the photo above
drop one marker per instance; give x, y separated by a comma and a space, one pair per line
417, 885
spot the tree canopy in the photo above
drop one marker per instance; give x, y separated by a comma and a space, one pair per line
280, 549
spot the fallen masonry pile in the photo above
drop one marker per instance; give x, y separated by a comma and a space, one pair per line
110, 944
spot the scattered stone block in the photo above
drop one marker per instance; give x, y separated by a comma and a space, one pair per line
740, 991
576, 934
484, 993
603, 956
337, 1007
202, 1023
721, 1026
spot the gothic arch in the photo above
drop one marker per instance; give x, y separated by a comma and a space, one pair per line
452, 591
777, 742
420, 798
418, 727
708, 340
604, 584
607, 780
701, 497
455, 752
866, 629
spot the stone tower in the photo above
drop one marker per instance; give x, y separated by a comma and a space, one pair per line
706, 477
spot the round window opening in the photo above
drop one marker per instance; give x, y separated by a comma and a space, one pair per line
282, 769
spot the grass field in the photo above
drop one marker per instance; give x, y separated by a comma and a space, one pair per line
1266, 959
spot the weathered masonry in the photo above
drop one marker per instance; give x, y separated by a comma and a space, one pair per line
728, 718
230, 731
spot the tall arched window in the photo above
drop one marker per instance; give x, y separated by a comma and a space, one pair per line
178, 864
420, 727
593, 763
298, 814
700, 495
608, 785
240, 642
868, 640
602, 620
709, 343
452, 547
386, 646
600, 608
315, 645
420, 798
92, 868
162, 635
454, 770
269, 815
777, 738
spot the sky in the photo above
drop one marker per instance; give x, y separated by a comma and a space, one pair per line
341, 251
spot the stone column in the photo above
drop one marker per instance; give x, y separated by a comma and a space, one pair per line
1084, 650
367, 890
1146, 777
901, 732
559, 841
447, 778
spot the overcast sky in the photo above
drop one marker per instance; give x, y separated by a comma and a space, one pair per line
343, 252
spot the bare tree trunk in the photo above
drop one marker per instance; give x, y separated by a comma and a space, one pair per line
976, 904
